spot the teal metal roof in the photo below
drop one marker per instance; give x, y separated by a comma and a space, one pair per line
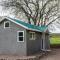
29, 26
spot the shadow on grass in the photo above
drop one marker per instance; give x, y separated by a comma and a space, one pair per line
55, 45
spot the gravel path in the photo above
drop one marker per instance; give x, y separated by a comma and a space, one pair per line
54, 55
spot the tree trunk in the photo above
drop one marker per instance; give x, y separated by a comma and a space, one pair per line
29, 21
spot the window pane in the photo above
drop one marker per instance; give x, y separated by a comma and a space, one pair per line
7, 24
20, 38
30, 35
20, 33
33, 35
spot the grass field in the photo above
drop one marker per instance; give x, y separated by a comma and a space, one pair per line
55, 39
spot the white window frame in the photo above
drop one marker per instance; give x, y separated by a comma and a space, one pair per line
33, 38
5, 23
18, 36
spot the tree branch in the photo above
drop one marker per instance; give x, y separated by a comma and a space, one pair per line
28, 6
45, 5
53, 15
50, 9
37, 9
52, 21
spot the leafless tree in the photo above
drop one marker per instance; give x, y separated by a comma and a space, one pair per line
41, 12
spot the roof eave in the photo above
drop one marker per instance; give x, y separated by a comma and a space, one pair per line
24, 26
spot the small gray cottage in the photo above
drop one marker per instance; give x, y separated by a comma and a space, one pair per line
20, 38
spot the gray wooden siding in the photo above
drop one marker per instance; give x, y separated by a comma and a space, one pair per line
47, 42
8, 40
33, 46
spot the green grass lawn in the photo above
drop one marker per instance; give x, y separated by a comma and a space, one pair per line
55, 40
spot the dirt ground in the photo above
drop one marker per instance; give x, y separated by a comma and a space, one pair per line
54, 55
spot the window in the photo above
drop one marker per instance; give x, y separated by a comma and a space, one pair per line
32, 36
6, 24
20, 36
